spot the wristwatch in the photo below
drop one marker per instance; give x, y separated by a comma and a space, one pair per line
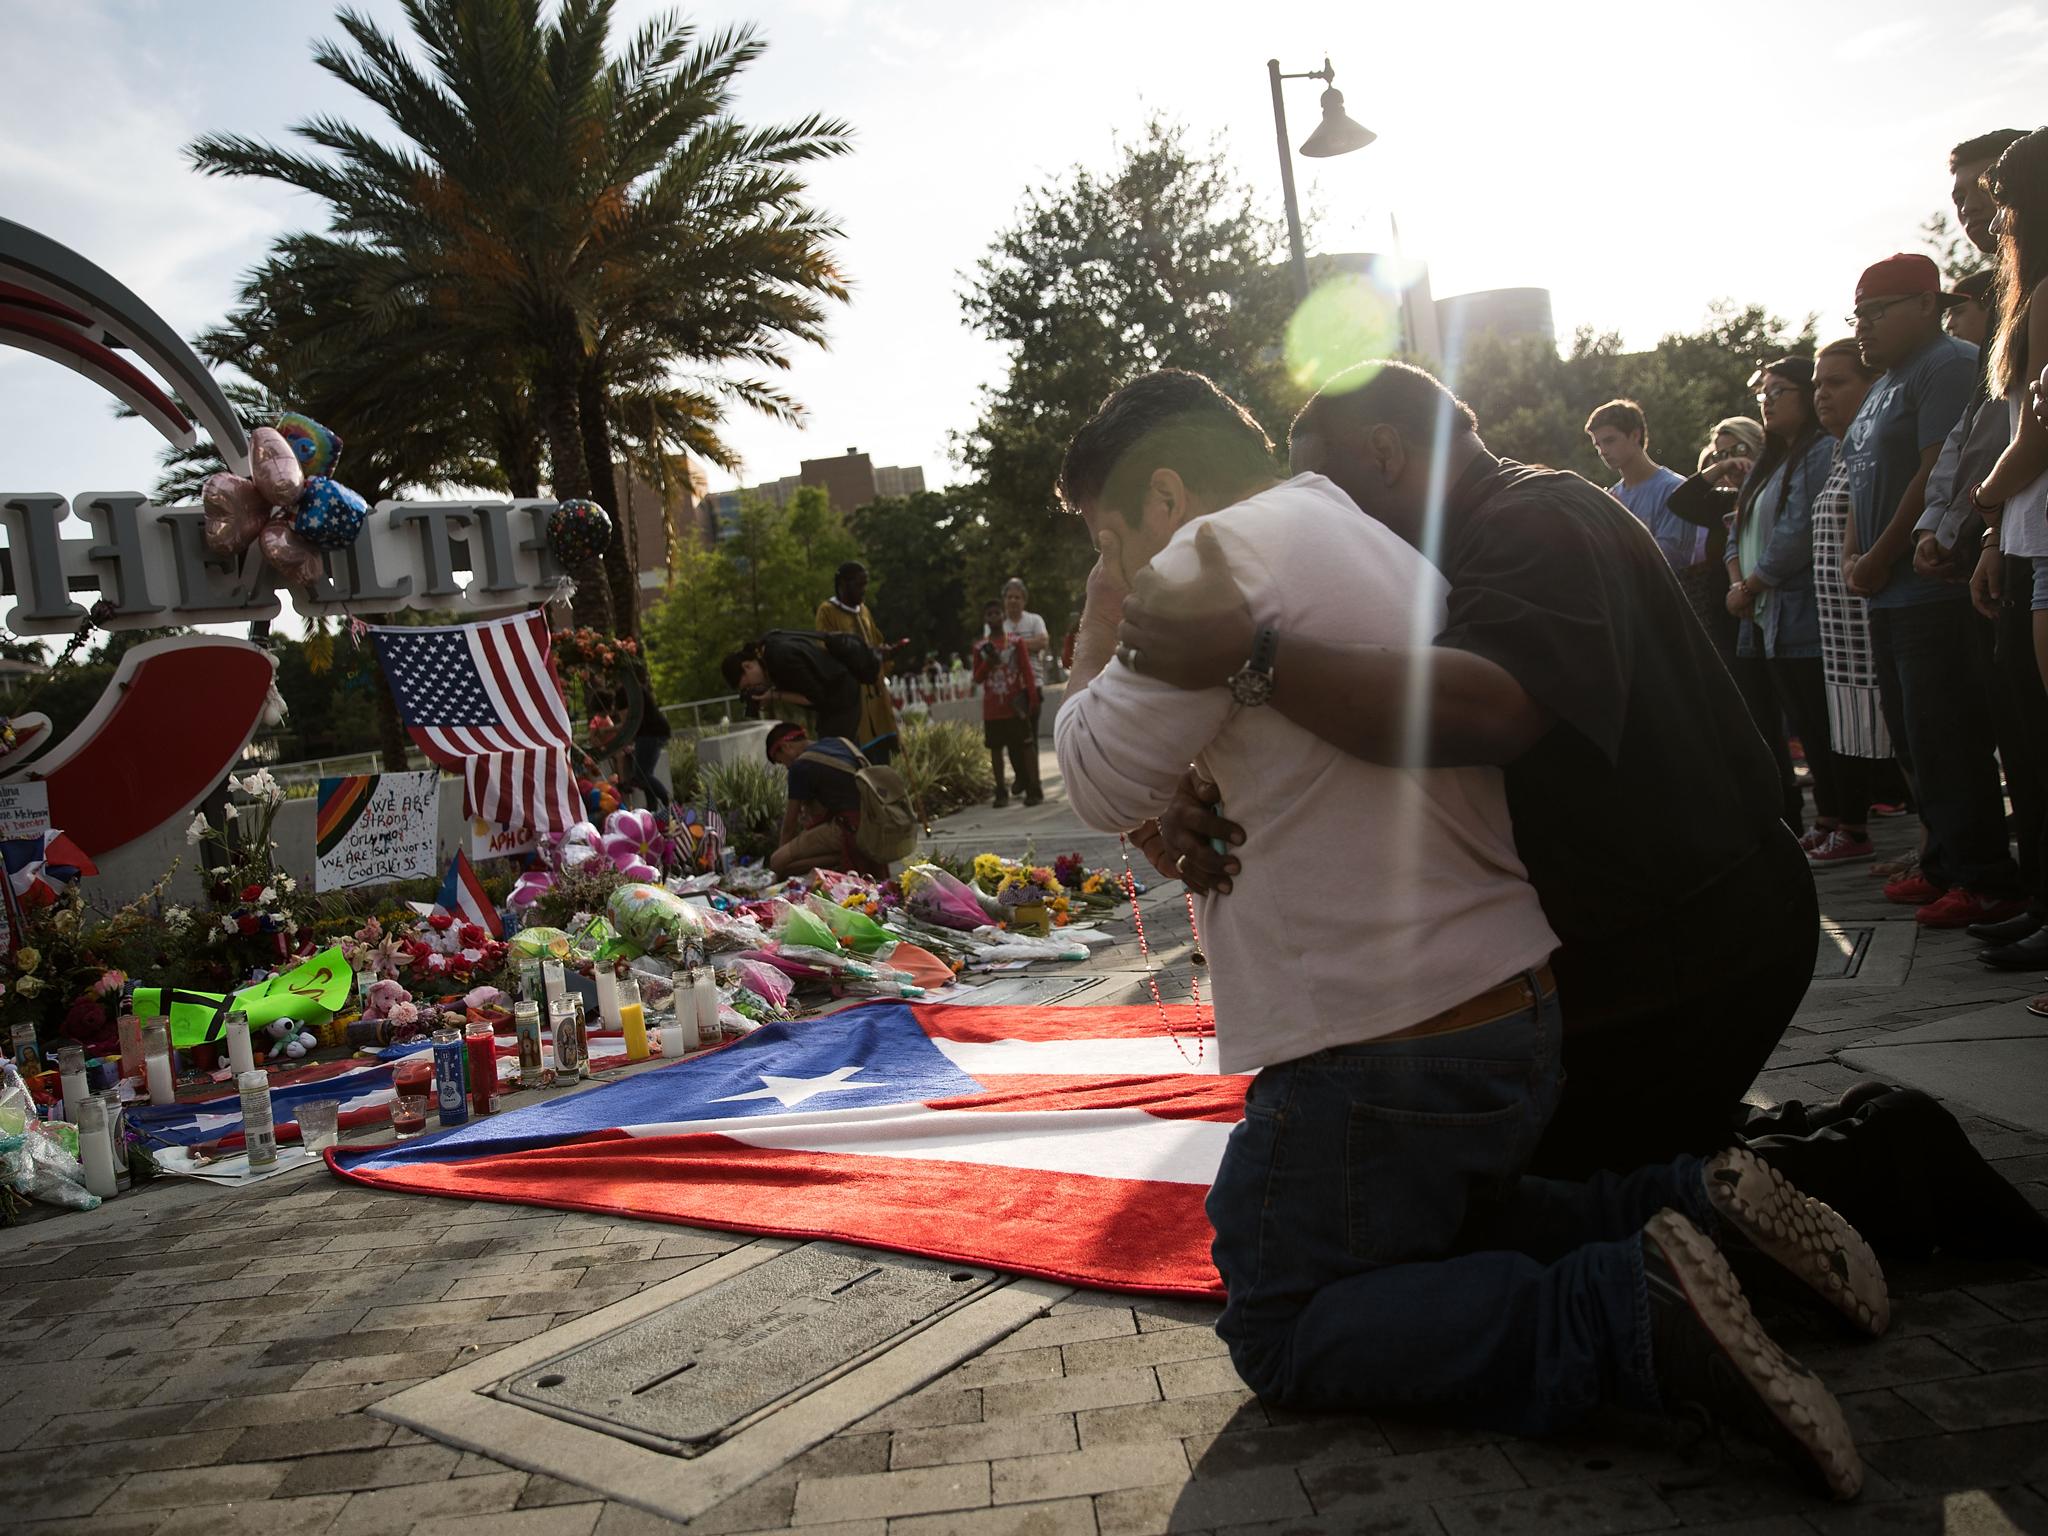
1252, 684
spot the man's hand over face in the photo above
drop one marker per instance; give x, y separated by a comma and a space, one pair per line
1191, 633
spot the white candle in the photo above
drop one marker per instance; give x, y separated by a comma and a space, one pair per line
676, 1036
608, 996
71, 1074
704, 995
552, 985
96, 1149
241, 1058
156, 1061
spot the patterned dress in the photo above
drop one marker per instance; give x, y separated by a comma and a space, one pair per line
1854, 714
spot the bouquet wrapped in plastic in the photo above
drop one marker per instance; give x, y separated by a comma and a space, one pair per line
935, 897
854, 930
655, 920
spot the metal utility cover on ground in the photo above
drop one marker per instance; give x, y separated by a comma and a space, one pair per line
467, 1408
1873, 954
685, 1376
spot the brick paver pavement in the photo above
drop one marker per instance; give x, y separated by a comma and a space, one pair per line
189, 1362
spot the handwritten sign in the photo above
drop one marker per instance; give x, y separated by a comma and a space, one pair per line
488, 841
24, 809
371, 828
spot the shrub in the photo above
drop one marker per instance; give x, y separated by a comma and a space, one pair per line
684, 782
750, 794
945, 764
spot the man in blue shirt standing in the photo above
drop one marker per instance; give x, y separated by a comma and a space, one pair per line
1931, 648
1621, 436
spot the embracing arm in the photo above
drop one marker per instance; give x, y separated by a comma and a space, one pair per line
1357, 699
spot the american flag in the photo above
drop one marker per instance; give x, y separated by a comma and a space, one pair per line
483, 700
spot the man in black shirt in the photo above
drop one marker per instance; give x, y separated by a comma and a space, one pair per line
1644, 803
794, 668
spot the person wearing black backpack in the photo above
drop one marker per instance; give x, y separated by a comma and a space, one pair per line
796, 667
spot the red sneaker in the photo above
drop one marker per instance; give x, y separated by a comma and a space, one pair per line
1914, 890
1816, 837
1841, 848
1958, 908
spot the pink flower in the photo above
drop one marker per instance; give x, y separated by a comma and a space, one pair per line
637, 834
110, 983
529, 887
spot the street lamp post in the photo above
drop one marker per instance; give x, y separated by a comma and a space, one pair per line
1337, 134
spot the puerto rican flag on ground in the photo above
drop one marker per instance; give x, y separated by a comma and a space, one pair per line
1072, 1143
462, 897
363, 1088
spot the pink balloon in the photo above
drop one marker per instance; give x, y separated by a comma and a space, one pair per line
275, 467
235, 514
298, 562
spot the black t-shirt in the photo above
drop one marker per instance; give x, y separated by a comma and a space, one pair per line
1653, 784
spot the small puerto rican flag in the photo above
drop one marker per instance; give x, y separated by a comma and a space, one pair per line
462, 897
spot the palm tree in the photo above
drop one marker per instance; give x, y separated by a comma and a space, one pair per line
573, 217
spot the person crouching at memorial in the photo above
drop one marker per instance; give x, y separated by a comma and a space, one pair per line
1379, 1245
821, 826
792, 671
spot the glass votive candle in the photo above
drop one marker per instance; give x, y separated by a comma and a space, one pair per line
318, 1124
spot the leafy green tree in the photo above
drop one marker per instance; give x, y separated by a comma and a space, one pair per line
561, 218
1532, 403
918, 581
1162, 261
771, 574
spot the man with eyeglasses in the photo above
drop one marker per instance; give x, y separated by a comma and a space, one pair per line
1931, 648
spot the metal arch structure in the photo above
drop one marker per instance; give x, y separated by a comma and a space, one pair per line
58, 305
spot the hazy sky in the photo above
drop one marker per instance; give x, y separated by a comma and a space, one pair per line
1638, 161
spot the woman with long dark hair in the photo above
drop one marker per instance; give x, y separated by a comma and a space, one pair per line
2014, 495
1770, 572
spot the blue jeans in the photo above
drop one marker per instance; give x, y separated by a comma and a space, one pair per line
1381, 1248
1933, 670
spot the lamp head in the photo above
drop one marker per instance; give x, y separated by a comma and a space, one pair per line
1336, 134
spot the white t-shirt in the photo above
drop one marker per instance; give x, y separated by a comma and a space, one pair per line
1372, 897
1028, 628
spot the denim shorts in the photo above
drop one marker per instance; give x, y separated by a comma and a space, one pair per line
2041, 584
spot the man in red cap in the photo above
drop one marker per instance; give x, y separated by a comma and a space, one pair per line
1931, 648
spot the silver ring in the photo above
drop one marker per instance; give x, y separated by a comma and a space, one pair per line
1180, 865
1128, 654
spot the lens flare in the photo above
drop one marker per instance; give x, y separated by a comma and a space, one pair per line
1345, 322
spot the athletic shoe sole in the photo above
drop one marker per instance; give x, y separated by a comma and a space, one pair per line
1805, 1238
1815, 858
1805, 1411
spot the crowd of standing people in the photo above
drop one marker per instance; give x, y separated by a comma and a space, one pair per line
1871, 538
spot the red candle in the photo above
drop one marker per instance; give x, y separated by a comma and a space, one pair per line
481, 1041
